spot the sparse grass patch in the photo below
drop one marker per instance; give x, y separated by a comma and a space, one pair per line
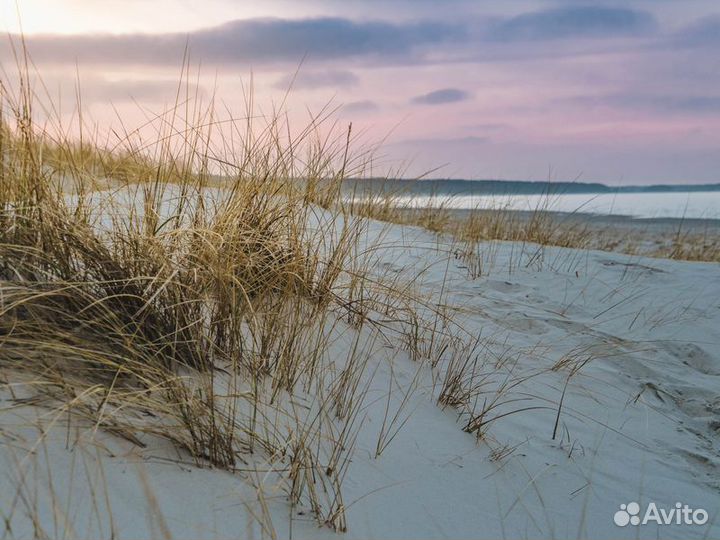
540, 226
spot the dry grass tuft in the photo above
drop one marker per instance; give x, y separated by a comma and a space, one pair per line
195, 298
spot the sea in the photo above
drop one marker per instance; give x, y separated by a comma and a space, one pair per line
678, 204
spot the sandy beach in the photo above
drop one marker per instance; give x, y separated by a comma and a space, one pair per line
593, 384
359, 270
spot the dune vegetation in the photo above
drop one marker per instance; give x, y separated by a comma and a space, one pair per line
200, 283
192, 288
543, 226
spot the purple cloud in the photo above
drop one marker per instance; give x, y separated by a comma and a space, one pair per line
577, 22
442, 96
250, 40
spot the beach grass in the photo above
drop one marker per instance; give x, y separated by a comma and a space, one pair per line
540, 225
200, 281
140, 299
203, 282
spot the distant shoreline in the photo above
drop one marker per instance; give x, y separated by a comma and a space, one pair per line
442, 187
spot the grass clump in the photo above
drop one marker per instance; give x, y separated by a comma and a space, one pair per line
171, 287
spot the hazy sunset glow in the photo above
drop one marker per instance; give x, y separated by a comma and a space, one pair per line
613, 91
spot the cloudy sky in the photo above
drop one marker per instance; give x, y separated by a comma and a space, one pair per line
614, 91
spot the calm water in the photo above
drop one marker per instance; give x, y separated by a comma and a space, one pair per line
643, 205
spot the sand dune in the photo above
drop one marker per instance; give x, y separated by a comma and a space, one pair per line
602, 370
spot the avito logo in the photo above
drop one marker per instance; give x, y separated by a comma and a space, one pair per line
680, 514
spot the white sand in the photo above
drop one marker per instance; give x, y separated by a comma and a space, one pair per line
640, 422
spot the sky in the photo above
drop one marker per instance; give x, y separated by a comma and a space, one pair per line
621, 92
